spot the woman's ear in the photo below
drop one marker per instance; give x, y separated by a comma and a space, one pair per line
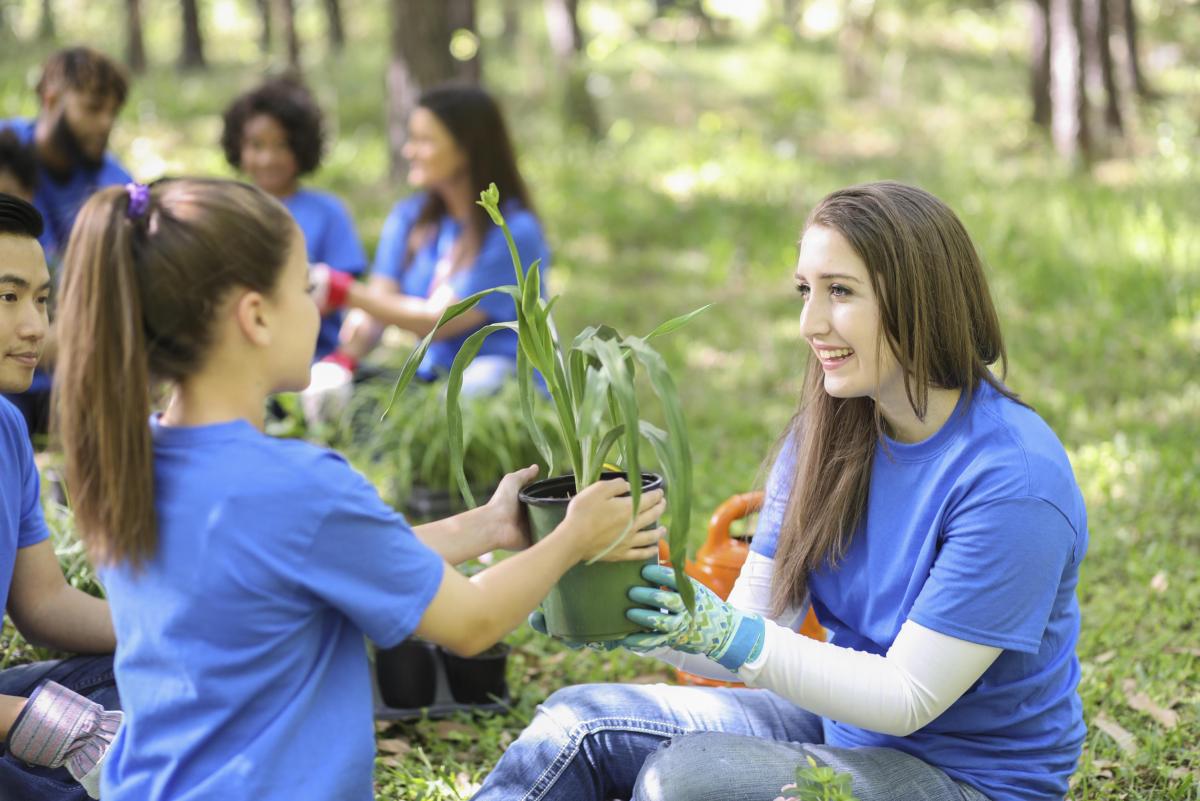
252, 317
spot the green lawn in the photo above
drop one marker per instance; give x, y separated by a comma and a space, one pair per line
714, 154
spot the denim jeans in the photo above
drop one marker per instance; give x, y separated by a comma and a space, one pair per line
596, 742
91, 676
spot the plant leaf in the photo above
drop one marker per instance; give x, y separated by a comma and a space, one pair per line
414, 359
526, 390
454, 422
676, 323
678, 465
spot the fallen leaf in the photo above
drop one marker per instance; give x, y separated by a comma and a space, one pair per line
1167, 718
1183, 773
1175, 649
1107, 656
393, 745
1124, 740
449, 728
1159, 582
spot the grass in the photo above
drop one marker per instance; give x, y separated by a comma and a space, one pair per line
714, 153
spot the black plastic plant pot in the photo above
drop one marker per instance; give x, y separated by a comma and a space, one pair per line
588, 603
407, 674
478, 679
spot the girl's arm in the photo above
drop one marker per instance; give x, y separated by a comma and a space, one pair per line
388, 305
470, 615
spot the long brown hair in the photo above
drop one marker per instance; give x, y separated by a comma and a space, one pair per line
139, 296
474, 119
938, 319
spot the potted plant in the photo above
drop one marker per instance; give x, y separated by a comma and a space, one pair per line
591, 386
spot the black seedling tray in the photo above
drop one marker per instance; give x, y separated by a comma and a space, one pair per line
443, 703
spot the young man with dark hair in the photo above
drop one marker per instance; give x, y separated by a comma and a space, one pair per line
81, 91
52, 714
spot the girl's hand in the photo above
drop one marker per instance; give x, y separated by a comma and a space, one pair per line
601, 513
506, 519
329, 287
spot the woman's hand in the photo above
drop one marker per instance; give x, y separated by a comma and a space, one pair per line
505, 517
715, 629
329, 287
601, 514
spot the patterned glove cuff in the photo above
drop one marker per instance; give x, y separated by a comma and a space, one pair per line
745, 644
49, 723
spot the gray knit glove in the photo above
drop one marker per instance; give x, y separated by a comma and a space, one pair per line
59, 727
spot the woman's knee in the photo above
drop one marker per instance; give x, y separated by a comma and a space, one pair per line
713, 766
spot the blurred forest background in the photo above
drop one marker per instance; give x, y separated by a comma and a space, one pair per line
673, 150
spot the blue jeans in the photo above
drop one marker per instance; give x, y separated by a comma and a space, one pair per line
91, 676
595, 742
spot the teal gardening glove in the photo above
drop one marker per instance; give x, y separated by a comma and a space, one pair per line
729, 637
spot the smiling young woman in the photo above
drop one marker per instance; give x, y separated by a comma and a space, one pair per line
929, 518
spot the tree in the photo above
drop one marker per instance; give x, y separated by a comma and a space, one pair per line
1039, 74
135, 47
1068, 90
192, 55
566, 40
264, 16
337, 30
1126, 16
287, 14
46, 26
421, 58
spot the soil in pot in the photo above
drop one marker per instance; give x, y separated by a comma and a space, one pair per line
478, 679
407, 674
588, 603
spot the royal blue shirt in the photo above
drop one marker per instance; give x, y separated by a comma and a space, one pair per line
21, 520
60, 201
331, 239
240, 658
493, 267
977, 533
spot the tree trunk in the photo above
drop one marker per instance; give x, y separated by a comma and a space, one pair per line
421, 59
566, 40
1039, 73
1129, 26
287, 17
192, 55
264, 16
46, 26
135, 47
462, 17
337, 31
855, 39
1068, 89
1113, 118
511, 10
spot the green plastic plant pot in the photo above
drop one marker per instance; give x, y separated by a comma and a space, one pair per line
588, 603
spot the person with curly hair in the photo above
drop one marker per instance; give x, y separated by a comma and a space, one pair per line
274, 134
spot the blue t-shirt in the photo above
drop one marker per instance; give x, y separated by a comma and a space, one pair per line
60, 202
240, 657
492, 267
331, 239
977, 533
21, 521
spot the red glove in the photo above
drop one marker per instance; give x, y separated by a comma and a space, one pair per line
330, 287
342, 359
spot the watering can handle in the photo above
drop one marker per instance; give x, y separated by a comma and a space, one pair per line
734, 508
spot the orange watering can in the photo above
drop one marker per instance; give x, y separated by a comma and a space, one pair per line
719, 561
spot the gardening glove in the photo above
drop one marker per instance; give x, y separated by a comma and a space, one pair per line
330, 384
717, 630
57, 727
330, 287
537, 622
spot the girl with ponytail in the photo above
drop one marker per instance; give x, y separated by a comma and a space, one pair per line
243, 571
928, 517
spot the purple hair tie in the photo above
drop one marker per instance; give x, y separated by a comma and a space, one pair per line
139, 200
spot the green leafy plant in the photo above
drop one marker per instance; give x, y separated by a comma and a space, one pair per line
819, 783
591, 384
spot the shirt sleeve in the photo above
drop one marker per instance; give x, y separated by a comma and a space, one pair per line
775, 501
32, 527
340, 247
366, 561
393, 240
997, 573
493, 267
